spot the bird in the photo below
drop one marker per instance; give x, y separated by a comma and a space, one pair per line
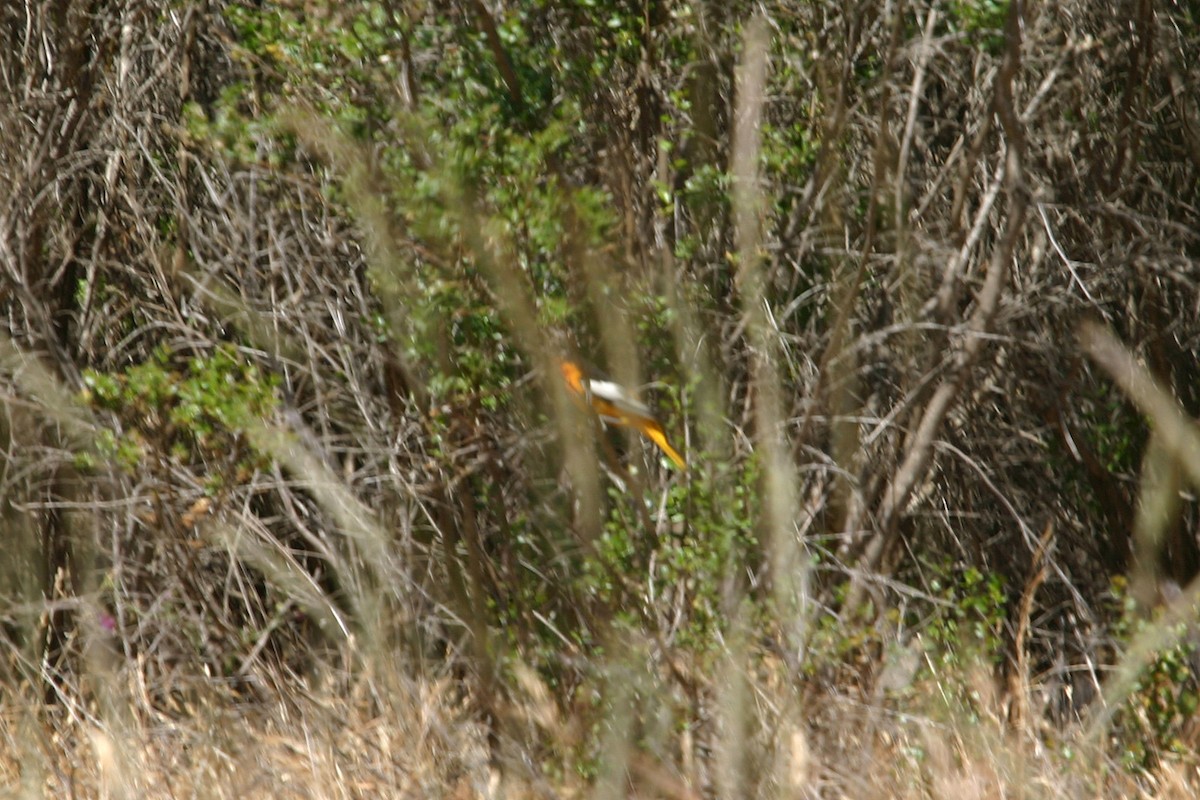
617, 405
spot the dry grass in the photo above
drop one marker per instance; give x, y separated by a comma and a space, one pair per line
317, 743
417, 576
330, 739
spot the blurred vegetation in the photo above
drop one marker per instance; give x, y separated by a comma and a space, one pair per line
193, 417
286, 456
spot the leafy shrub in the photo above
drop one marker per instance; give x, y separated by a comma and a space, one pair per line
1157, 720
195, 414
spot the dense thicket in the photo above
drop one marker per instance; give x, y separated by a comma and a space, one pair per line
282, 285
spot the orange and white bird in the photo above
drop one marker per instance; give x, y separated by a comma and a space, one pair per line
616, 405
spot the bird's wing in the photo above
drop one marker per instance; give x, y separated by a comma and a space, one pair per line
613, 403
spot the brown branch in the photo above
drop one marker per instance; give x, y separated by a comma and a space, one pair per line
410, 91
1019, 683
835, 373
503, 62
920, 450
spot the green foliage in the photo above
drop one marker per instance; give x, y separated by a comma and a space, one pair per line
195, 415
461, 166
982, 21
226, 127
957, 625
966, 624
789, 149
1117, 431
713, 520
1162, 706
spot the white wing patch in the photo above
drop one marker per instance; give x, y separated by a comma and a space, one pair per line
619, 397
